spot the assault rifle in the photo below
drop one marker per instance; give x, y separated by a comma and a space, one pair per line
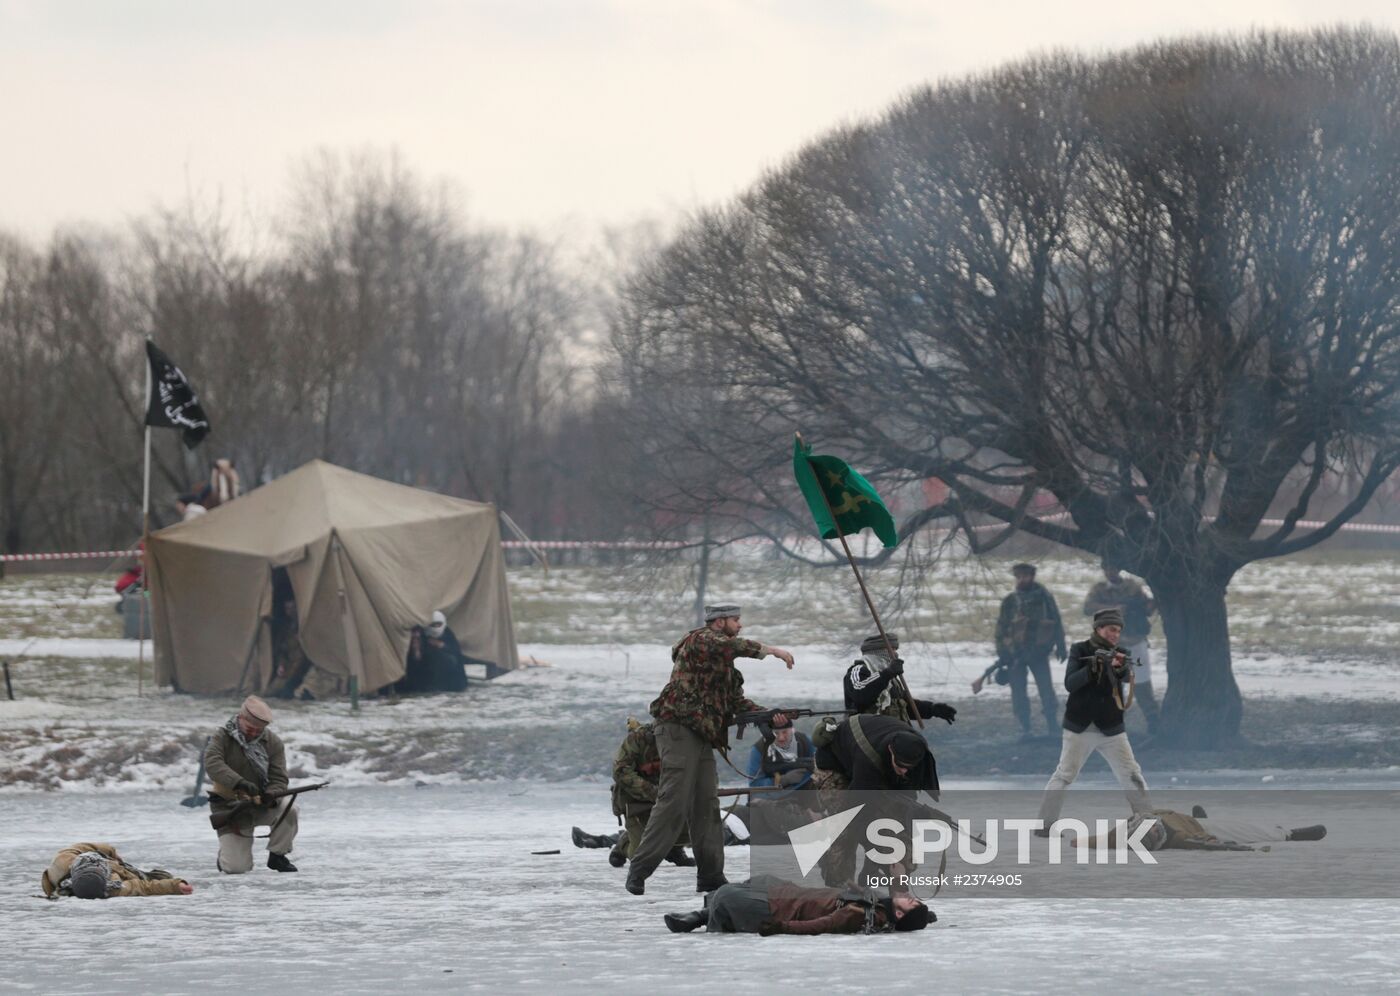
763, 718
223, 819
1103, 664
999, 671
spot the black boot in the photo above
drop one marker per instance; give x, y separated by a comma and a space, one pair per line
1308, 833
684, 923
1198, 812
582, 839
279, 862
635, 884
677, 856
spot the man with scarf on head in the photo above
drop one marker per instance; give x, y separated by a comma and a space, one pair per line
97, 871
693, 715
1094, 720
244, 759
870, 684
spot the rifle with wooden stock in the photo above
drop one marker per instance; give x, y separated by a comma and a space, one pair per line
223, 818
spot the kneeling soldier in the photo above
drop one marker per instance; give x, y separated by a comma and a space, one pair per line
245, 759
97, 871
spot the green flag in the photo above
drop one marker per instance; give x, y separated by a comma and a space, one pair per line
853, 502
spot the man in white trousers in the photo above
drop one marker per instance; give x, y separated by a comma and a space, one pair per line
1094, 719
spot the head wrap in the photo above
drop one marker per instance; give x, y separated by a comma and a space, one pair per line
875, 645
88, 876
1023, 568
726, 611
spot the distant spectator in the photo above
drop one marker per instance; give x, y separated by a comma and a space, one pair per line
435, 662
189, 508
133, 578
224, 485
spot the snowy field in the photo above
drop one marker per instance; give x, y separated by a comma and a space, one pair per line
417, 871
435, 889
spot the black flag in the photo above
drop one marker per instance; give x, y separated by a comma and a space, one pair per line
172, 404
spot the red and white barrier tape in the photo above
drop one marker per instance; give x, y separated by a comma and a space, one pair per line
1350, 527
93, 555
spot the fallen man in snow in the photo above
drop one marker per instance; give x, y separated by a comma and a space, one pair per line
1198, 832
768, 905
97, 871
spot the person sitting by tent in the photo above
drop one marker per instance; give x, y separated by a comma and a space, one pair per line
435, 661
291, 667
133, 580
189, 507
97, 871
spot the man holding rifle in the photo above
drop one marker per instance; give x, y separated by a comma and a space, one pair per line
245, 762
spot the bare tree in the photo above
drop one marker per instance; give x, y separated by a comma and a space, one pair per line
1157, 287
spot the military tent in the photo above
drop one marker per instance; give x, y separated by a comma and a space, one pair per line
367, 561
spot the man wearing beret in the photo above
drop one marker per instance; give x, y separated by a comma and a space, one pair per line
693, 714
1094, 719
244, 759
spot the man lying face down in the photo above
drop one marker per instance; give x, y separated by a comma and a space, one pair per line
768, 905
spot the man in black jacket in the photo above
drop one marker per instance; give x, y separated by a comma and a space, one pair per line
870, 686
1094, 719
875, 754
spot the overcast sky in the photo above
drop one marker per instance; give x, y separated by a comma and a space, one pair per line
540, 112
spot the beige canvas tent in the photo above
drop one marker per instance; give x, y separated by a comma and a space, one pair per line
367, 560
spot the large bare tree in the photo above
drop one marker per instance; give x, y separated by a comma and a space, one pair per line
1160, 287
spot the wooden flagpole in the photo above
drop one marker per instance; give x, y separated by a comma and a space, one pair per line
869, 603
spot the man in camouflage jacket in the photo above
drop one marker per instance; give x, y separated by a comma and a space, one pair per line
693, 714
636, 775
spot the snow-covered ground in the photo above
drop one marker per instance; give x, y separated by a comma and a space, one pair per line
94, 732
436, 890
417, 871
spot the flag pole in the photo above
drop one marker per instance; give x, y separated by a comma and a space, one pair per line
145, 537
869, 603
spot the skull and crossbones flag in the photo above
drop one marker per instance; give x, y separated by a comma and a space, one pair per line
172, 403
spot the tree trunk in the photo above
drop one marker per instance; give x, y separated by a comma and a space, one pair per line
1202, 708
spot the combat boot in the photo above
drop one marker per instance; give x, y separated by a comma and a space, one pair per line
677, 856
279, 862
582, 839
684, 923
